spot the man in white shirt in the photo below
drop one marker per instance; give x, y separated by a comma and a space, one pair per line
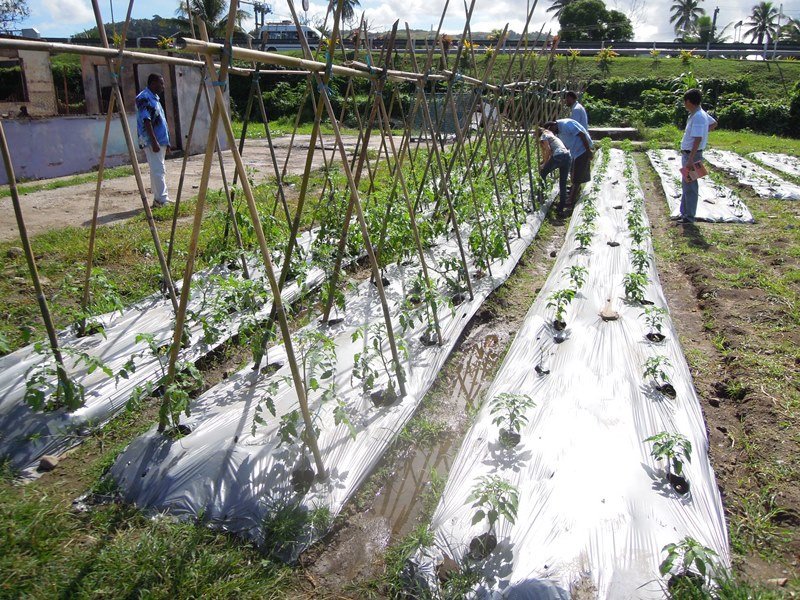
695, 138
578, 111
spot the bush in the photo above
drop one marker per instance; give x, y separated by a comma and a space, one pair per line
657, 99
761, 116
794, 110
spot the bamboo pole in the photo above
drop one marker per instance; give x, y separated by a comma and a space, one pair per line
309, 435
100, 170
184, 162
357, 204
61, 371
170, 288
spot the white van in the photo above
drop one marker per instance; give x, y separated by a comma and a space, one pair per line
283, 36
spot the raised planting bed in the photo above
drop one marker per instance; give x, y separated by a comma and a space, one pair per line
780, 162
589, 497
763, 182
717, 203
132, 344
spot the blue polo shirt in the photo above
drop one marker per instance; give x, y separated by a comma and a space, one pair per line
148, 108
568, 132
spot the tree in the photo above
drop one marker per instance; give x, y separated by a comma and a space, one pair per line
214, 14
348, 9
685, 14
12, 12
591, 20
762, 22
705, 35
618, 27
791, 31
558, 7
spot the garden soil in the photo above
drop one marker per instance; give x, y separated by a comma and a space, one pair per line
72, 206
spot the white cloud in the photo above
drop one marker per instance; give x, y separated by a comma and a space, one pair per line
68, 11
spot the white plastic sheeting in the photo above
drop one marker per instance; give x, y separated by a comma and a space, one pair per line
594, 509
717, 203
780, 162
764, 183
237, 479
25, 435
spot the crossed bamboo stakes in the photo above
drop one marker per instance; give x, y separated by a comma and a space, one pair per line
523, 98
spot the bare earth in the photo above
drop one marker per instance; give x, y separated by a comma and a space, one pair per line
120, 200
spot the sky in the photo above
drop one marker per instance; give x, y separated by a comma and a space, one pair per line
62, 18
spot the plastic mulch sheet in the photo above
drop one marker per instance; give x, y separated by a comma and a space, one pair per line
239, 477
26, 435
717, 203
780, 162
594, 508
764, 183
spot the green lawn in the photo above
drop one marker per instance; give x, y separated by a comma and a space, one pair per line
742, 142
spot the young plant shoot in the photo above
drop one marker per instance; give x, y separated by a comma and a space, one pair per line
509, 414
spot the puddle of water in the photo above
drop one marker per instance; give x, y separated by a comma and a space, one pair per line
400, 501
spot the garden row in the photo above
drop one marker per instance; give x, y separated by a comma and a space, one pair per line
587, 467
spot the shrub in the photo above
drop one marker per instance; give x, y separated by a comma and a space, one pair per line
765, 117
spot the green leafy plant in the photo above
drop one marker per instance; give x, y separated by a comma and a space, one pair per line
674, 448
635, 285
371, 363
577, 276
640, 260
48, 387
655, 55
493, 497
689, 556
559, 300
605, 57
176, 394
584, 234
654, 318
509, 414
686, 56
655, 367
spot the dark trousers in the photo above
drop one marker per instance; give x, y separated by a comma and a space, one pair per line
562, 163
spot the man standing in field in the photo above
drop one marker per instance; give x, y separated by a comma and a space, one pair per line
580, 146
578, 111
151, 124
695, 138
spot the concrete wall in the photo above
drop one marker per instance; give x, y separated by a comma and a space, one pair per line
38, 77
58, 146
187, 81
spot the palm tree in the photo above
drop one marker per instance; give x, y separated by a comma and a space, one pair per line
684, 16
705, 34
762, 22
348, 9
214, 14
558, 7
791, 31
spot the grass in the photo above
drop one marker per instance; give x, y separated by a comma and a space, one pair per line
742, 142
284, 126
55, 184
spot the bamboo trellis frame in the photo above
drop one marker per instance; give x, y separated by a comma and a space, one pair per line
521, 107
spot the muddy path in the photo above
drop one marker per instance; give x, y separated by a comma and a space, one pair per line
72, 206
350, 562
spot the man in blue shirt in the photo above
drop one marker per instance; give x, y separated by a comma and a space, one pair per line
578, 111
580, 147
151, 124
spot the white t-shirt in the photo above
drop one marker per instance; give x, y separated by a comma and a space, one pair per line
556, 145
697, 126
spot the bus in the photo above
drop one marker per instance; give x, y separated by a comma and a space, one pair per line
283, 36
